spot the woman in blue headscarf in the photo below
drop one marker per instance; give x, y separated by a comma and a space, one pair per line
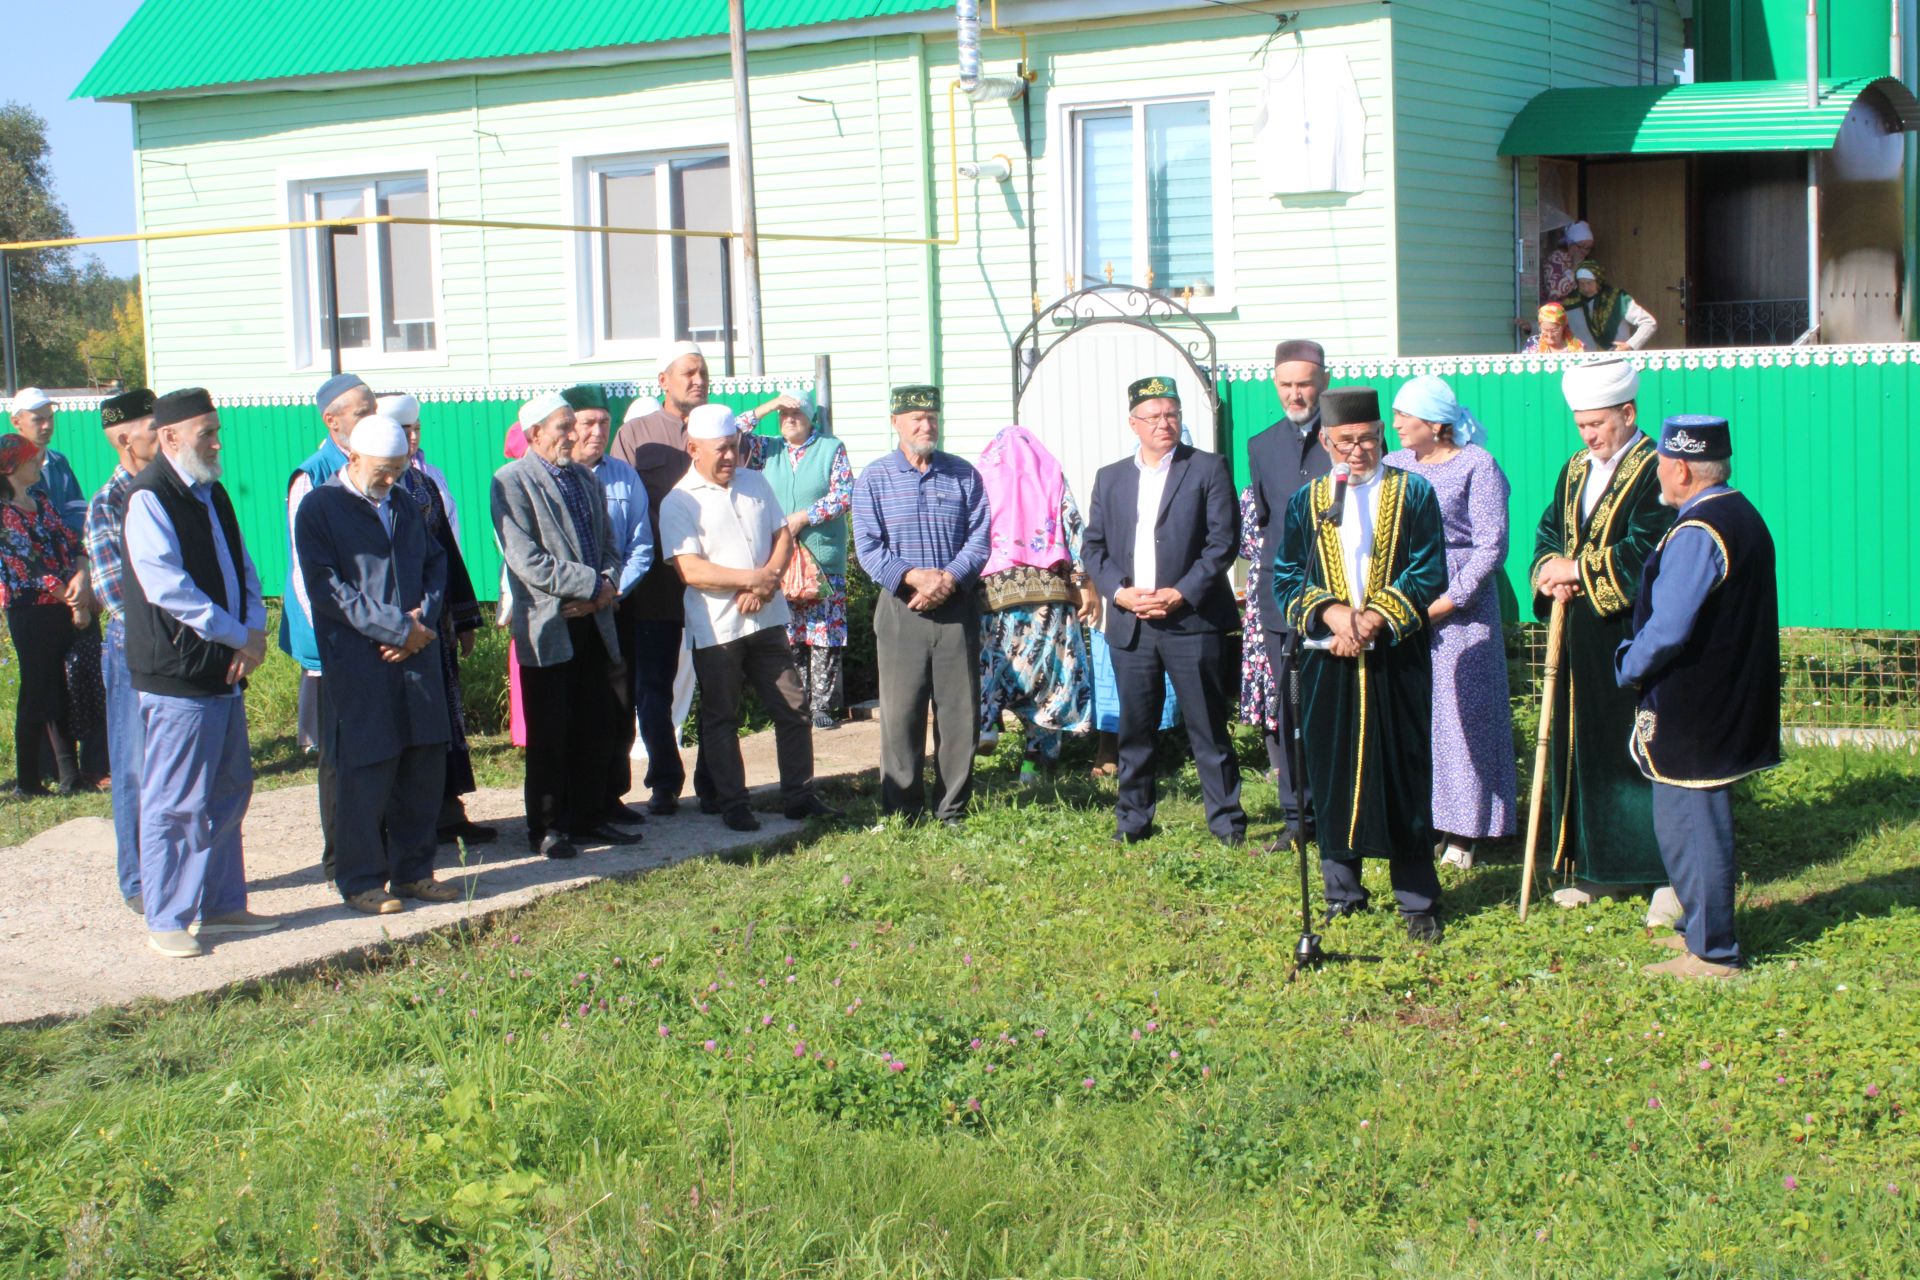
1473, 765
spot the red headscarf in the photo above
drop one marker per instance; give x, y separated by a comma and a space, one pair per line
14, 450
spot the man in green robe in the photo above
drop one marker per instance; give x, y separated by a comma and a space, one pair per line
1603, 522
1361, 559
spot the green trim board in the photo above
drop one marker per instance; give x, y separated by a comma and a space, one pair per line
1681, 119
173, 46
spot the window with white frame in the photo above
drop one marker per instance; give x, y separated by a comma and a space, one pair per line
1144, 196
382, 276
638, 290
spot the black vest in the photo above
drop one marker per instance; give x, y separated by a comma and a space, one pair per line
1713, 714
164, 656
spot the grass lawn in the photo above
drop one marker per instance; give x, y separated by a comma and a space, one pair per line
1023, 1050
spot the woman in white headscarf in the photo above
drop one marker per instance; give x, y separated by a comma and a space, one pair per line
1474, 780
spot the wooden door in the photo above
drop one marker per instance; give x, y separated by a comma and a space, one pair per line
1638, 209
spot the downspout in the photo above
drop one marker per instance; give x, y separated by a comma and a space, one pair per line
1519, 255
1033, 223
480, 214
923, 147
1813, 180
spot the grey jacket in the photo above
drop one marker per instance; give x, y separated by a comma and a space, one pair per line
546, 566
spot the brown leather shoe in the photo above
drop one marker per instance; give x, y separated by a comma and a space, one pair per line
429, 890
1689, 966
376, 902
1671, 941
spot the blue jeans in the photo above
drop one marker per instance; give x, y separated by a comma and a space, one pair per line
195, 786
126, 743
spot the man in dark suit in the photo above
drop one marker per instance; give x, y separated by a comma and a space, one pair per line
1282, 459
375, 581
1163, 527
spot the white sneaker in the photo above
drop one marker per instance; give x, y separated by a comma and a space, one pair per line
177, 943
1457, 856
1664, 911
241, 921
985, 744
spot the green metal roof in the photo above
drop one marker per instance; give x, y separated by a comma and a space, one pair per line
1736, 115
183, 45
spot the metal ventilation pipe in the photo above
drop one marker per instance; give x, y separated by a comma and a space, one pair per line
979, 88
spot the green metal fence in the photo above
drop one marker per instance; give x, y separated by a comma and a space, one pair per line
1823, 444
462, 431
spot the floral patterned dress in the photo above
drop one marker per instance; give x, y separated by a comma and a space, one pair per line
1259, 697
1033, 662
822, 623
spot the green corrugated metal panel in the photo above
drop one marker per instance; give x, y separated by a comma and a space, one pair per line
263, 443
1766, 39
1777, 405
179, 45
1678, 119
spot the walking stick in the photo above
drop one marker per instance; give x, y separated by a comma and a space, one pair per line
1556, 622
1306, 952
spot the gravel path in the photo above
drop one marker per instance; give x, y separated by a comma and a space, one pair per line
68, 945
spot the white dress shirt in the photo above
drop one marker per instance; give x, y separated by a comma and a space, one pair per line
1146, 520
1357, 521
732, 526
1599, 476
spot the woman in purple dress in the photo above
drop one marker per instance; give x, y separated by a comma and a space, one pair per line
1473, 764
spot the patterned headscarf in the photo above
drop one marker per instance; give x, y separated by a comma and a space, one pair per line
14, 450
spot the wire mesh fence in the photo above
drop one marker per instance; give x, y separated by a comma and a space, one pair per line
1860, 688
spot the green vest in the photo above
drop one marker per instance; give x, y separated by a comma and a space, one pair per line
800, 487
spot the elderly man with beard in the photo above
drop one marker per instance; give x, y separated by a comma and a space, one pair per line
376, 578
342, 400
626, 500
654, 612
921, 530
563, 568
1282, 459
196, 628
128, 421
1160, 537
1356, 569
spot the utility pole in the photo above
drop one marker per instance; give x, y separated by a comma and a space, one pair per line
743, 201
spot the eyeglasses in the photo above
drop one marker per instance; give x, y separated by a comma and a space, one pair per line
1355, 445
1158, 419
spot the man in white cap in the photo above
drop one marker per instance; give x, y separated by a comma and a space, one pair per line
655, 446
727, 538
375, 580
32, 416
563, 566
1592, 542
457, 625
342, 400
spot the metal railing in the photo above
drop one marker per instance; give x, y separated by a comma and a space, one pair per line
1754, 322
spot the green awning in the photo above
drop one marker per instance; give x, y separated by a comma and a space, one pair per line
1677, 119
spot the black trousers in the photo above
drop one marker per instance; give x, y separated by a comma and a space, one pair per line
763, 661
1416, 885
653, 658
1196, 664
307, 710
1294, 792
383, 819
41, 635
573, 719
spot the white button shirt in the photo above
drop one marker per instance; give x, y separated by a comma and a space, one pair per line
1146, 520
732, 526
1599, 476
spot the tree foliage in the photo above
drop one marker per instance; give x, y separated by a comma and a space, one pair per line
58, 304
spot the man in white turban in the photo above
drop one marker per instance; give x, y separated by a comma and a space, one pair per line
1604, 521
375, 581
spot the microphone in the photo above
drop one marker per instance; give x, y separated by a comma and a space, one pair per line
1334, 512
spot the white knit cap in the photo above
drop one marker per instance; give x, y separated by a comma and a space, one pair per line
30, 399
1600, 384
672, 351
403, 409
640, 408
540, 408
712, 422
378, 436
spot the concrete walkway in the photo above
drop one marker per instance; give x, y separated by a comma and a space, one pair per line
68, 945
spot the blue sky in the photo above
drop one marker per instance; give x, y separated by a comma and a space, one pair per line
51, 47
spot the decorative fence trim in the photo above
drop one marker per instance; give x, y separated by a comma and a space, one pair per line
771, 385
1700, 358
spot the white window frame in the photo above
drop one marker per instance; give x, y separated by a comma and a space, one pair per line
1066, 105
306, 349
586, 253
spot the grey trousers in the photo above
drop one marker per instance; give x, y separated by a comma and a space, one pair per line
1695, 831
927, 661
764, 661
